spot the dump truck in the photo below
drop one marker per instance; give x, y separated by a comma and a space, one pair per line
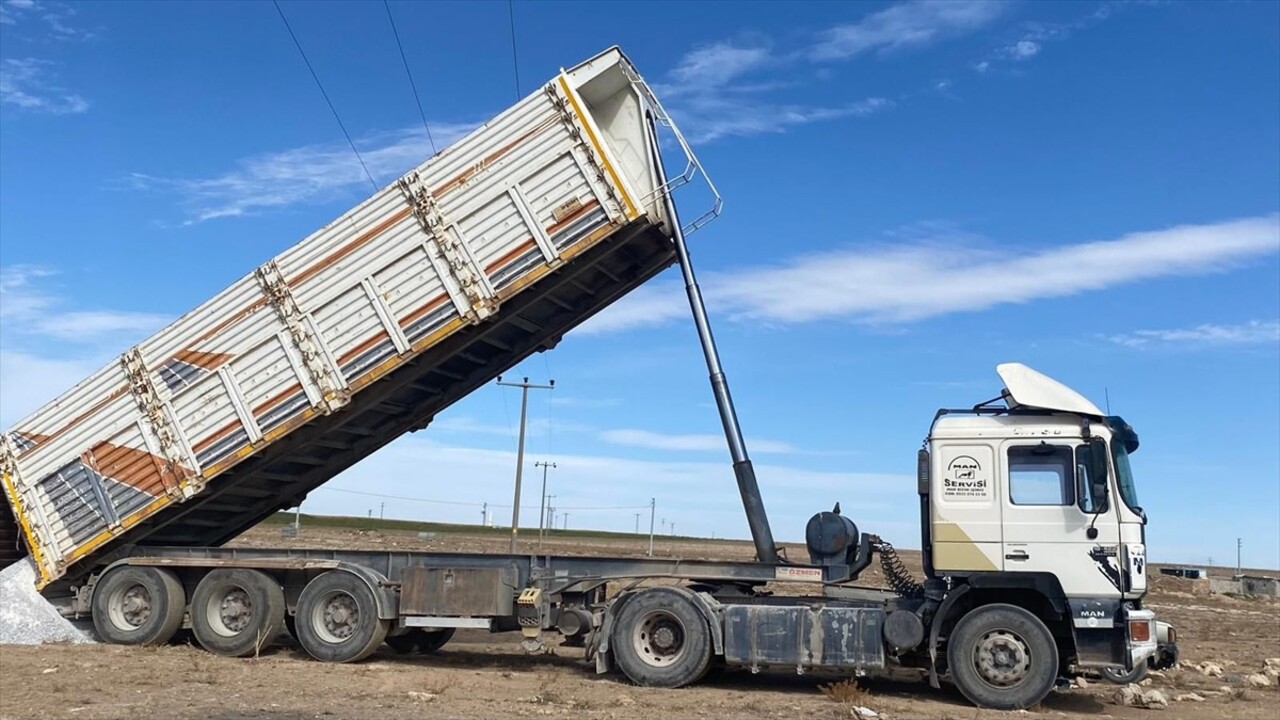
125, 489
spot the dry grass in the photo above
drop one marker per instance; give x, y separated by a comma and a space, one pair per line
846, 692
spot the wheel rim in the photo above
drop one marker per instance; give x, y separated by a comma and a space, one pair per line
336, 616
230, 610
1002, 658
659, 638
130, 606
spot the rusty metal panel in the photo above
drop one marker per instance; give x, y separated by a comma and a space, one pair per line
803, 637
488, 592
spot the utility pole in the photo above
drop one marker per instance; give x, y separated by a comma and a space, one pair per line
524, 411
637, 523
551, 513
542, 510
382, 511
297, 519
652, 506
673, 528
484, 514
1239, 545
566, 521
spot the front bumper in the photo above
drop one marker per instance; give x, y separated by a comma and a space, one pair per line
1141, 636
1166, 647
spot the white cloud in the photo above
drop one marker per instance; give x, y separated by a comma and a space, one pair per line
688, 442
308, 174
54, 15
1023, 49
908, 24
27, 309
28, 84
28, 381
1248, 333
717, 64
926, 278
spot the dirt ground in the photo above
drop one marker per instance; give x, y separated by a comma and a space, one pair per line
479, 675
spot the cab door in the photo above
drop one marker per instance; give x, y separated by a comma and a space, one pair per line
1048, 512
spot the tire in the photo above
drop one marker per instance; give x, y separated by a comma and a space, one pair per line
337, 618
237, 612
420, 641
138, 606
1120, 677
1002, 657
661, 639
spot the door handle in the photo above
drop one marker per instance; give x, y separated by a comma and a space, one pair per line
1017, 555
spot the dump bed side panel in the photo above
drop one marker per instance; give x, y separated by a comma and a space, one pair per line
445, 248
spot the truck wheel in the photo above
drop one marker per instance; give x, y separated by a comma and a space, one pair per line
337, 618
1120, 677
420, 641
138, 606
661, 639
1002, 657
236, 612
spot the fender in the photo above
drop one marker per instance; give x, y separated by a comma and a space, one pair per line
707, 605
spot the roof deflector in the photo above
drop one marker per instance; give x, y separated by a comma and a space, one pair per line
1024, 387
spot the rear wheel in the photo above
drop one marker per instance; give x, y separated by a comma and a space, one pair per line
661, 639
1002, 657
138, 606
337, 618
237, 612
420, 640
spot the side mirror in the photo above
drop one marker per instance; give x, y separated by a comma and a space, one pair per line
1098, 472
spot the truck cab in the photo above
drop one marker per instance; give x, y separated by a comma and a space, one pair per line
1029, 499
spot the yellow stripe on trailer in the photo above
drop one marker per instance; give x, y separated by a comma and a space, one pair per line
632, 213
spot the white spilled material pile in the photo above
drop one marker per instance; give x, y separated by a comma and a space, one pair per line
26, 618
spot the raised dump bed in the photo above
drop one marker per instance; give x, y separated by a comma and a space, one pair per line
364, 330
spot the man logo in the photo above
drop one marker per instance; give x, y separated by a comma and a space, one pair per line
964, 468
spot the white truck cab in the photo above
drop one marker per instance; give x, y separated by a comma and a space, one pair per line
1029, 499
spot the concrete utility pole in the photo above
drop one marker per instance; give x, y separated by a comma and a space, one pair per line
297, 519
652, 507
542, 510
566, 521
637, 523
1239, 545
551, 513
524, 412
382, 511
484, 514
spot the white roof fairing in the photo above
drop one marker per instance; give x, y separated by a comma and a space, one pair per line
1025, 387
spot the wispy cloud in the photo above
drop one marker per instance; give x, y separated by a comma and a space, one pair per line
29, 84
1254, 332
308, 174
693, 442
29, 309
926, 278
909, 24
1032, 37
54, 17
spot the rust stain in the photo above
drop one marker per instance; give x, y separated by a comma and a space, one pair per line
217, 435
424, 310
138, 469
517, 252
350, 247
571, 217
252, 308
113, 395
461, 179
355, 351
207, 360
276, 399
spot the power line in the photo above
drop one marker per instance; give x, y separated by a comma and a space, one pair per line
469, 504
325, 94
515, 57
405, 60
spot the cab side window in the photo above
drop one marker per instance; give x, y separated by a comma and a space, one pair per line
1042, 474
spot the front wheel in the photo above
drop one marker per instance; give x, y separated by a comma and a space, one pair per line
661, 639
1002, 657
420, 640
1120, 677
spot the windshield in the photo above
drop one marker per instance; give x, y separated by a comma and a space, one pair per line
1124, 474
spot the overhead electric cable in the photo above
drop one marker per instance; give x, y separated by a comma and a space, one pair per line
405, 60
468, 504
515, 57
315, 77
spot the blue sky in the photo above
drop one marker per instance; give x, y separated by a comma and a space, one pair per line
914, 193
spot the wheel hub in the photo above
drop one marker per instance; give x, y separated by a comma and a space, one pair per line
1002, 658
341, 616
135, 606
659, 638
236, 610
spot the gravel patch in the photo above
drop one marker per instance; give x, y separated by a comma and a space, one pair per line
26, 617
